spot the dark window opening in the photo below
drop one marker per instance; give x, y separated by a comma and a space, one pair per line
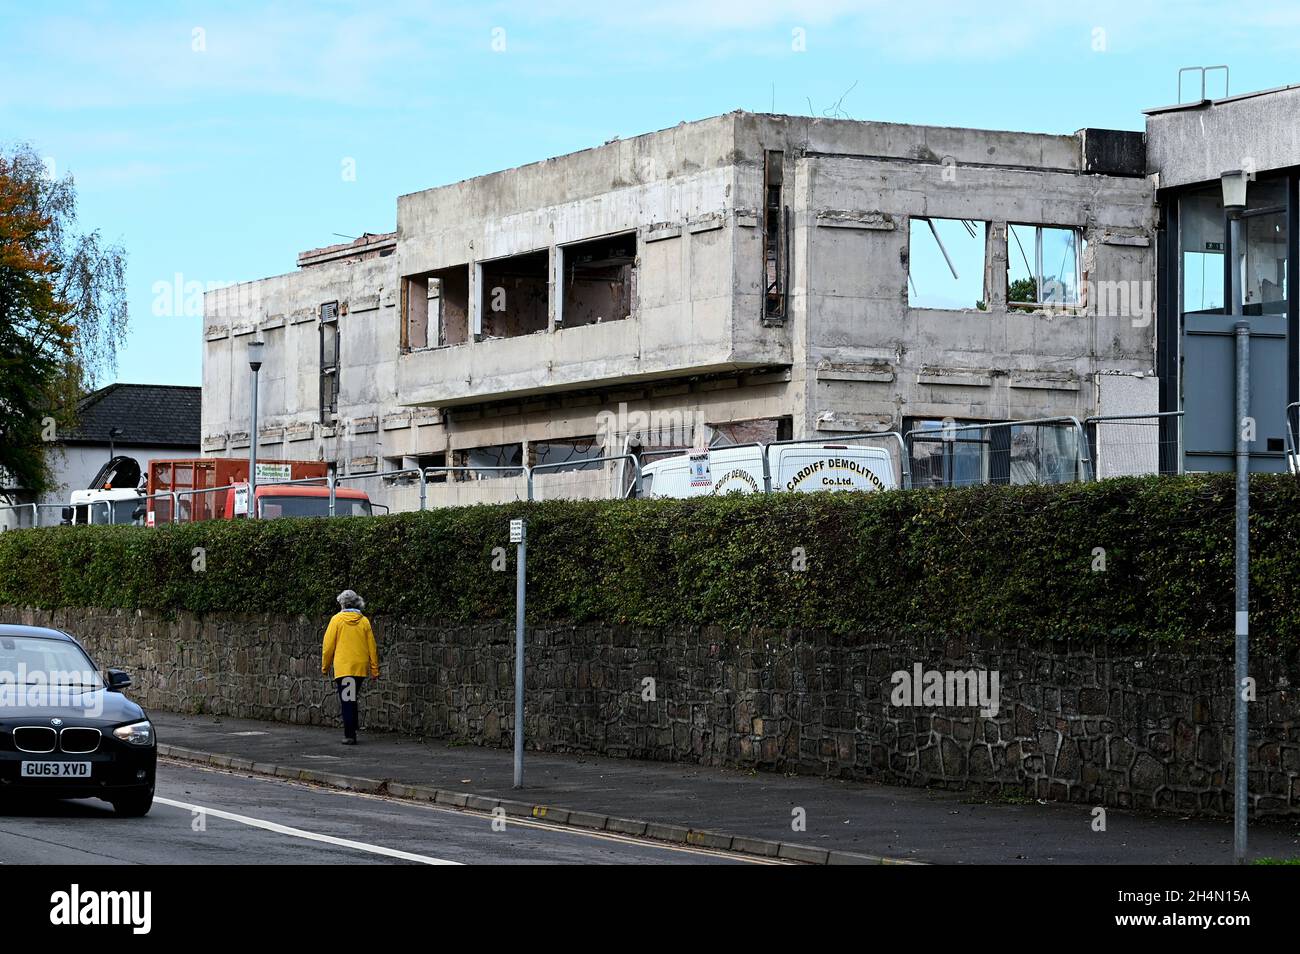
599, 280
425, 461
514, 299
329, 361
489, 457
774, 237
574, 453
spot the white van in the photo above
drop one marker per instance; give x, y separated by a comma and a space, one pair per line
805, 467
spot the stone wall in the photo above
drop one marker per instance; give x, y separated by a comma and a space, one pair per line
1150, 729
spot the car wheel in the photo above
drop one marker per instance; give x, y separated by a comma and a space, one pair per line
135, 805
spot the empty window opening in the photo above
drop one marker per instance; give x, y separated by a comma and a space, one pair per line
945, 263
775, 257
514, 299
425, 461
573, 453
409, 463
599, 280
436, 308
1044, 265
329, 361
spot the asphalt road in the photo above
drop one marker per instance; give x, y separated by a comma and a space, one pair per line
202, 816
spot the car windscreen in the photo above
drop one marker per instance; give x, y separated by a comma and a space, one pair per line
294, 506
29, 660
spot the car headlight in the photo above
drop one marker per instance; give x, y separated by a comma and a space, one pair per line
137, 733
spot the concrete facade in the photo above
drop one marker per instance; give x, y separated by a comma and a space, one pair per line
485, 322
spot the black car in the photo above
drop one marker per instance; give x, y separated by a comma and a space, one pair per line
65, 730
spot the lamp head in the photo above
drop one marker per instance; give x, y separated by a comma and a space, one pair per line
1234, 189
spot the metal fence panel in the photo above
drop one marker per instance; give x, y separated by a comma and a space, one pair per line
1047, 451
593, 478
1134, 445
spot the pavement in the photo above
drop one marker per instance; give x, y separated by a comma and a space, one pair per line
758, 813
205, 817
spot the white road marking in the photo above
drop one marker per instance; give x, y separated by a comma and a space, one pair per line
511, 820
308, 835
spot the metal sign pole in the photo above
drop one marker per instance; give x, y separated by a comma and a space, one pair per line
1242, 616
519, 536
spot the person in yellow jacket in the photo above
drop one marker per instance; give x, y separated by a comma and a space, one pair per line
350, 647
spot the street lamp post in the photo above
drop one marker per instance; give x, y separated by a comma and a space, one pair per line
255, 363
1234, 203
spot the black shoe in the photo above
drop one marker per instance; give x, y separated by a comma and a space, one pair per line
347, 741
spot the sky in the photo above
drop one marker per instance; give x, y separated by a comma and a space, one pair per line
215, 141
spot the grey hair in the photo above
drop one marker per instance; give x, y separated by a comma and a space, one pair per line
349, 599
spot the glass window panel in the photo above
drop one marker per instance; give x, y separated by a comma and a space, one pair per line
1059, 281
1043, 265
1264, 254
1201, 240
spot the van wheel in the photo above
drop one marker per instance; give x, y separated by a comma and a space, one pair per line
135, 805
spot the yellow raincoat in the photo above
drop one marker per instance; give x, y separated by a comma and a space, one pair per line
350, 646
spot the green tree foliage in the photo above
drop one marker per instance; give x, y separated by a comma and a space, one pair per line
63, 313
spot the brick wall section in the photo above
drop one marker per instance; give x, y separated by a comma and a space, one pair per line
1076, 723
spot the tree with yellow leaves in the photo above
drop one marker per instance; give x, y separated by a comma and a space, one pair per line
63, 314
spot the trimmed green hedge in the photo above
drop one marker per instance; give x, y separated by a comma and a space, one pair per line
1006, 561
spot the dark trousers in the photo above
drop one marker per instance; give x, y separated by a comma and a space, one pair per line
349, 689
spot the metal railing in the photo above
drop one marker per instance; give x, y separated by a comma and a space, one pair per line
18, 509
1044, 450
181, 515
454, 483
1051, 450
602, 475
391, 477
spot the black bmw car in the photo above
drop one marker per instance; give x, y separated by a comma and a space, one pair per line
66, 731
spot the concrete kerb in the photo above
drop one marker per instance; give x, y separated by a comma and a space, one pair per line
590, 821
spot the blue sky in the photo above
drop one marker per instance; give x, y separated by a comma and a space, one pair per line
210, 139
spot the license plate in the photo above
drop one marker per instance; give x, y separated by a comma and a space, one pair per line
56, 770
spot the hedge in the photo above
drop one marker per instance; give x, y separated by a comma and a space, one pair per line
1008, 561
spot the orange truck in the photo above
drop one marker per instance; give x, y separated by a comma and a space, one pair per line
216, 488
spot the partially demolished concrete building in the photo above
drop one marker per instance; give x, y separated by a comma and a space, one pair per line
755, 277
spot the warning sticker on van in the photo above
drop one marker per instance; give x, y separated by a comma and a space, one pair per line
700, 476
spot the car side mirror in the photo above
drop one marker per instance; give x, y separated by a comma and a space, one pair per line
67, 514
118, 679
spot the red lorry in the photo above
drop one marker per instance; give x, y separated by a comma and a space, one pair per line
216, 488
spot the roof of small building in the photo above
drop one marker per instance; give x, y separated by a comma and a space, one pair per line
152, 415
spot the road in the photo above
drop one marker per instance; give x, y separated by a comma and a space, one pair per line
203, 816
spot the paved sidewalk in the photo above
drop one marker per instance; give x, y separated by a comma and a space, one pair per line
900, 823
